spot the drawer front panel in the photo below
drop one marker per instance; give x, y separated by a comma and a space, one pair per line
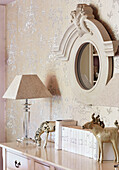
39, 166
17, 162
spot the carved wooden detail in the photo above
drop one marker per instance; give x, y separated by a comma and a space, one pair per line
79, 15
83, 22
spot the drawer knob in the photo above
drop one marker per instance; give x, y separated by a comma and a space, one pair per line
17, 164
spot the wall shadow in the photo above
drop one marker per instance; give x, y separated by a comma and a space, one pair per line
109, 30
52, 85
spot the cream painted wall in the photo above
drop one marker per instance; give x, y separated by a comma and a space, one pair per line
33, 28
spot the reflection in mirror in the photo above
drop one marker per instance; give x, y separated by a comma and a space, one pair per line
87, 66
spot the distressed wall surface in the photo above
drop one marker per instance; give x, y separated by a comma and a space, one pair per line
33, 28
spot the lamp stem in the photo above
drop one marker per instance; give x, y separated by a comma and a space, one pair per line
26, 120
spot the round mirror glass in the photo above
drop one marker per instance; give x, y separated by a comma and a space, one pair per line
87, 66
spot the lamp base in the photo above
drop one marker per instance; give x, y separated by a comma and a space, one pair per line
26, 140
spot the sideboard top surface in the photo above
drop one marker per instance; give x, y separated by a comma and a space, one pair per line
57, 158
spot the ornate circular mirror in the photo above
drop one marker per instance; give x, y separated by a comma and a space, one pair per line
87, 66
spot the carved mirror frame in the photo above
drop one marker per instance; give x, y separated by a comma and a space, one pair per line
86, 29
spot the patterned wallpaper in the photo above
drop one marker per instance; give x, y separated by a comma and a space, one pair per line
33, 28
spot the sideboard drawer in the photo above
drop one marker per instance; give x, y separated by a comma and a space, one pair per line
39, 166
17, 162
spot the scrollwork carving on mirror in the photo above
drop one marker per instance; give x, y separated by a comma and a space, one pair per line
89, 50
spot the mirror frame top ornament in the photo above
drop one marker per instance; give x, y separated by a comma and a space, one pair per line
84, 28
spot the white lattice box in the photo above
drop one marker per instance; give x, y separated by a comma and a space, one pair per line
83, 142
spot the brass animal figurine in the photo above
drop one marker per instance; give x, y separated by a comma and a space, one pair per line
103, 135
48, 126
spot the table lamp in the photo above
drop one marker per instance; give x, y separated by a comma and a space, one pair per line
26, 87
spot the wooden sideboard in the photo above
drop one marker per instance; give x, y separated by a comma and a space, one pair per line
30, 157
